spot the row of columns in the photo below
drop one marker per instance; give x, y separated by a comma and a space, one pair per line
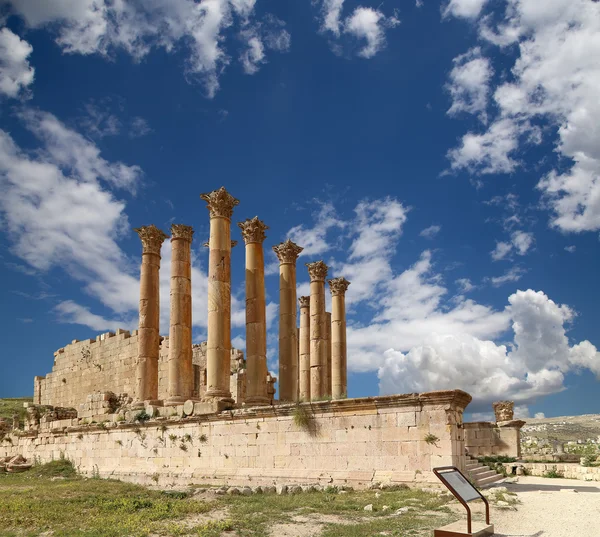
312, 360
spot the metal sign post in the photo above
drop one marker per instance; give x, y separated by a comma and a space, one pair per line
464, 492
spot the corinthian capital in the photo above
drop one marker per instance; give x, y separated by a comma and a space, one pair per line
304, 301
220, 203
179, 231
253, 230
338, 286
287, 252
317, 271
152, 238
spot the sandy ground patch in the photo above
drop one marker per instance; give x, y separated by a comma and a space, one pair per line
548, 508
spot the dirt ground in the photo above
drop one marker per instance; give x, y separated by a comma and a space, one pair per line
550, 508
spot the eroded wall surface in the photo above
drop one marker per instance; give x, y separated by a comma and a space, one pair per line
486, 439
352, 441
108, 364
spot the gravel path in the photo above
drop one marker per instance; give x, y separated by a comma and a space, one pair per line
550, 508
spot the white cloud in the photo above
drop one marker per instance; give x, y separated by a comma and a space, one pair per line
553, 81
514, 274
430, 232
103, 27
501, 251
469, 84
571, 249
533, 366
467, 9
59, 213
539, 416
16, 75
139, 127
465, 285
365, 24
522, 241
369, 24
314, 240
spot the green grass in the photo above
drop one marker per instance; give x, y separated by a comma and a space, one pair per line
37, 502
10, 407
254, 515
32, 503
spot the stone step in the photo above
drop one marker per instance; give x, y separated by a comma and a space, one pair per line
482, 475
479, 469
489, 480
471, 465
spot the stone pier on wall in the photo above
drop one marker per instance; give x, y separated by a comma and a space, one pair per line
350, 441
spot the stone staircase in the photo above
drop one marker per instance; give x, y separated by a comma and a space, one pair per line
481, 475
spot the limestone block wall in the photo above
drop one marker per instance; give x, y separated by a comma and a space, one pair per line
568, 470
486, 439
348, 441
107, 364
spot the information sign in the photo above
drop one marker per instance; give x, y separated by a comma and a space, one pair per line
460, 485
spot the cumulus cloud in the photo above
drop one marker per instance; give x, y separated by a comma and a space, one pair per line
60, 212
366, 24
533, 365
553, 81
469, 84
520, 242
202, 29
16, 75
314, 239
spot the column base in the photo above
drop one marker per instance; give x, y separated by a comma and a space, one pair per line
257, 401
221, 395
141, 405
179, 400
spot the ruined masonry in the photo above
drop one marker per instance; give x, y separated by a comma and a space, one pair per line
141, 406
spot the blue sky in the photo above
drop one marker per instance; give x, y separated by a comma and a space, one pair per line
443, 158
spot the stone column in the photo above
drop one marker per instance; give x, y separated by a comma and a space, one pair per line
180, 369
253, 231
304, 350
339, 372
287, 253
146, 385
328, 365
318, 344
218, 349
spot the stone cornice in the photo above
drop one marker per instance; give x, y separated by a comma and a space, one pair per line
220, 203
317, 271
180, 231
253, 230
304, 301
512, 423
152, 238
338, 286
287, 252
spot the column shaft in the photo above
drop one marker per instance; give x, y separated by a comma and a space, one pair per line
253, 231
218, 349
287, 253
146, 387
180, 369
339, 373
318, 319
304, 351
328, 365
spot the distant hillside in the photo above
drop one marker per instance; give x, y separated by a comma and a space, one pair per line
10, 407
564, 428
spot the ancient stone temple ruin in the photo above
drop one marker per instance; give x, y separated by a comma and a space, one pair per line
141, 405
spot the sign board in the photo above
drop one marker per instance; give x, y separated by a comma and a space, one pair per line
459, 484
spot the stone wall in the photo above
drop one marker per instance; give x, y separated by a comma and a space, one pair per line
568, 470
486, 439
348, 441
107, 364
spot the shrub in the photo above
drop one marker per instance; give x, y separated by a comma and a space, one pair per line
302, 417
431, 439
203, 438
59, 468
142, 416
552, 473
